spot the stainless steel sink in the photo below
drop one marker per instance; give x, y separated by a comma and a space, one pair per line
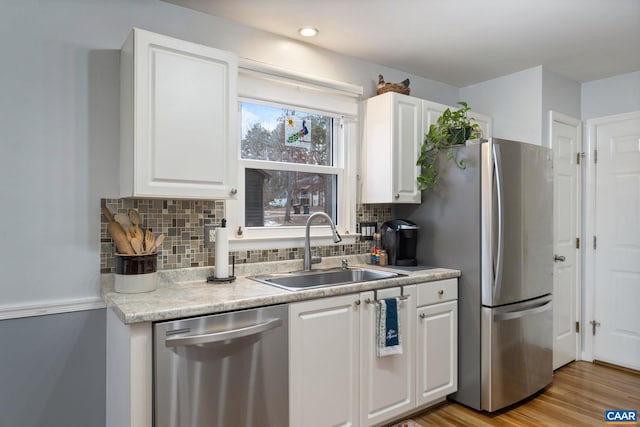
300, 280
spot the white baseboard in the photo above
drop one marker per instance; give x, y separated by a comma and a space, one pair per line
15, 312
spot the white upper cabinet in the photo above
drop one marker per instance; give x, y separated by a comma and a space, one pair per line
484, 122
393, 133
178, 119
394, 129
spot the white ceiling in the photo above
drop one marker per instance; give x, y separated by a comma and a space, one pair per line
459, 42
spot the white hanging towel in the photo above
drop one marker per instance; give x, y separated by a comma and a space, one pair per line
389, 340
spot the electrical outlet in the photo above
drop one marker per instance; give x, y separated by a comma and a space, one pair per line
209, 236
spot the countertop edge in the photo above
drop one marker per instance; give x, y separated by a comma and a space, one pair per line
212, 299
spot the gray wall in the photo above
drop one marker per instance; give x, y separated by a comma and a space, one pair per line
520, 102
514, 103
614, 95
53, 370
561, 95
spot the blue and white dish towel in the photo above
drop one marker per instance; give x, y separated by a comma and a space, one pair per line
388, 327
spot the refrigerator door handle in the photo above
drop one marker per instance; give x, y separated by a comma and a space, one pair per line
522, 313
497, 272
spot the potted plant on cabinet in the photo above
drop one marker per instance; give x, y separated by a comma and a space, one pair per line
452, 128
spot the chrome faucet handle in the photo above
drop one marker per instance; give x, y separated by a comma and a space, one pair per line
345, 264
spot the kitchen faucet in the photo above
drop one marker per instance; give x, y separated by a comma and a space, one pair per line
307, 237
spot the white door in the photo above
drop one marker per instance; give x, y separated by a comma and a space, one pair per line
566, 144
323, 362
617, 245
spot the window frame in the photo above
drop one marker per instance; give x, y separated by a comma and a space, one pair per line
345, 167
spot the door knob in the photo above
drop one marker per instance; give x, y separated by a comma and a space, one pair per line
560, 258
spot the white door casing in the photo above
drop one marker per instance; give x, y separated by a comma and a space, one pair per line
614, 225
565, 137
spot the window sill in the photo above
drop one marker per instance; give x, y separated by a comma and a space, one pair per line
275, 242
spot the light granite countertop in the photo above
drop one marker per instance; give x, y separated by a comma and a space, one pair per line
186, 293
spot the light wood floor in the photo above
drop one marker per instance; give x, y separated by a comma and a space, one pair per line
578, 396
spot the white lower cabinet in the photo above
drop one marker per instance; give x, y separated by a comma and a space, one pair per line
437, 342
323, 362
386, 383
335, 376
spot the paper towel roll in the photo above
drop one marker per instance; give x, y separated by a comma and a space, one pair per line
221, 270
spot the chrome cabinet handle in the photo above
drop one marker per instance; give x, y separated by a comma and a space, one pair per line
441, 292
397, 195
357, 302
560, 258
234, 191
422, 315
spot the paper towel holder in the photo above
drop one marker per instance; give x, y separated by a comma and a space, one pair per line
230, 279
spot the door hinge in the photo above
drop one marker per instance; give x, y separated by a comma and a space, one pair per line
579, 156
577, 327
595, 242
595, 156
577, 243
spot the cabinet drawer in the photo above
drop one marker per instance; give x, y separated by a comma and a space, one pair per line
435, 292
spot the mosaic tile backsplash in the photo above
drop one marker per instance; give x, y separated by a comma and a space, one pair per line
182, 221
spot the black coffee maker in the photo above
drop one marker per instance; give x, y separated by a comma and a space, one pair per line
399, 238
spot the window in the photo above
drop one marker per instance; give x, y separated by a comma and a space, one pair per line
296, 157
296, 172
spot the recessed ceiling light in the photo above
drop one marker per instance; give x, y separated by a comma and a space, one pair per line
308, 31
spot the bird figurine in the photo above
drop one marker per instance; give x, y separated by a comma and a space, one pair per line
402, 87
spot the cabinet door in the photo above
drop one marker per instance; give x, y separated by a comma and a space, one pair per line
391, 143
484, 122
387, 384
407, 138
323, 357
179, 131
430, 113
437, 355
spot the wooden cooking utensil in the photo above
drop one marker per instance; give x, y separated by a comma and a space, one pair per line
123, 220
134, 217
118, 234
158, 243
136, 231
149, 241
136, 245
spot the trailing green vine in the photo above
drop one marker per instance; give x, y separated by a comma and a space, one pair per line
452, 128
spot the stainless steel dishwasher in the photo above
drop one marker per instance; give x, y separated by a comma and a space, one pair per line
227, 369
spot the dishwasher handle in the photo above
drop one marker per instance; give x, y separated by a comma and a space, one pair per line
222, 336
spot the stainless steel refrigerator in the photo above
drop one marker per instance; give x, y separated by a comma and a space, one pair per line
493, 221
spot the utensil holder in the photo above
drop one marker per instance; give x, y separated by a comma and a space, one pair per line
136, 273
